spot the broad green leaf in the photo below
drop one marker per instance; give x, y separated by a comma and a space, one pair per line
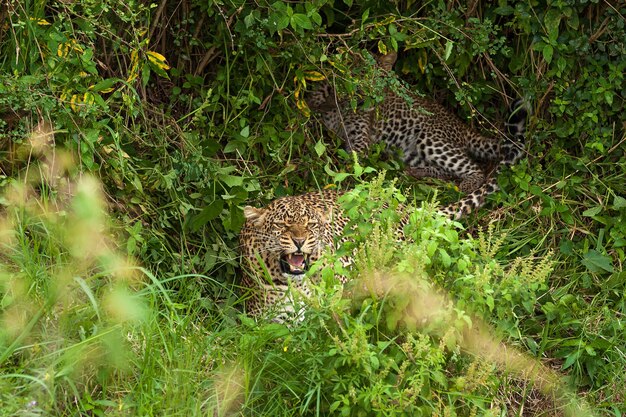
597, 262
571, 358
207, 214
572, 21
320, 148
231, 180
449, 45
299, 20
548, 51
592, 211
316, 18
619, 202
552, 20
504, 10
105, 85
235, 145
364, 16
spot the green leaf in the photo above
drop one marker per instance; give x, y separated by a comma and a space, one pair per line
299, 20
235, 145
504, 10
249, 20
231, 180
449, 45
572, 21
490, 302
592, 211
341, 176
364, 16
552, 20
619, 202
597, 262
320, 148
316, 18
548, 51
207, 214
104, 84
571, 358
277, 21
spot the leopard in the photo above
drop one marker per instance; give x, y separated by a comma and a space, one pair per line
281, 241
278, 245
433, 142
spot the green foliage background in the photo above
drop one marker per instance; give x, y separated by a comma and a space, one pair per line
187, 111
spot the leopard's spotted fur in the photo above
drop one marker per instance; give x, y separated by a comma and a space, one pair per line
278, 243
433, 142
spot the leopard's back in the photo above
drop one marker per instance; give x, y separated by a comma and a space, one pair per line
433, 142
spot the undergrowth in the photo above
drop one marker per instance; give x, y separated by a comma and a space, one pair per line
131, 136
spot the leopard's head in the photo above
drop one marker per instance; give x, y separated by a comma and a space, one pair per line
288, 235
323, 98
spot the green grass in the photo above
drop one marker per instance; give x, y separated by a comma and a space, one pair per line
86, 332
122, 184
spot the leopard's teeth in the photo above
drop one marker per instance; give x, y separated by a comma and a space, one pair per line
294, 263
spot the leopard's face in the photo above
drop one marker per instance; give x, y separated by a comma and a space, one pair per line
279, 243
288, 237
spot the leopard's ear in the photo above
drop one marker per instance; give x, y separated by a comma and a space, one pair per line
387, 61
325, 216
254, 215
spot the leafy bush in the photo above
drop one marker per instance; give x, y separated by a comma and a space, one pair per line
188, 113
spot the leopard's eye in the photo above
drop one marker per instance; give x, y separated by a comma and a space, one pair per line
282, 223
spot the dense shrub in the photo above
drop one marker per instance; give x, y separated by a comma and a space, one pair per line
188, 111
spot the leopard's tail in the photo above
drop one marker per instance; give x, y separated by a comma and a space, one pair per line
511, 151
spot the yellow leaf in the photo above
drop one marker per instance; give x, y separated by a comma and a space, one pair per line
303, 107
314, 76
88, 98
74, 103
134, 66
157, 56
40, 22
382, 48
422, 60
158, 60
63, 49
76, 46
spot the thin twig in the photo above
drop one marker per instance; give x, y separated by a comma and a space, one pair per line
157, 18
603, 27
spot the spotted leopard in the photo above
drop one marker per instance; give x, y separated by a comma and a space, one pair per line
279, 243
433, 141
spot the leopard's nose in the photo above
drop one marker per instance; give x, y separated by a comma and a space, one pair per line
298, 241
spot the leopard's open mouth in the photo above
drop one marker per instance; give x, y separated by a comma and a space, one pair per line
295, 263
